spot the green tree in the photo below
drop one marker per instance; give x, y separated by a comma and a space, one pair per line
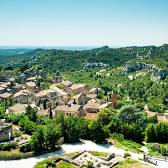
106, 115
37, 139
2, 110
31, 113
97, 132
52, 135
150, 133
27, 125
71, 130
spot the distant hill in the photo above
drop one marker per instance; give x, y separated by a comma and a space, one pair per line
15, 55
63, 60
9, 52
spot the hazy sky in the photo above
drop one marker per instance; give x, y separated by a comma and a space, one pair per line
83, 22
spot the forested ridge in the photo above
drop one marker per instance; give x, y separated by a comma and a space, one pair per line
62, 60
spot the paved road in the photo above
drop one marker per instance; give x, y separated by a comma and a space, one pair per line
68, 148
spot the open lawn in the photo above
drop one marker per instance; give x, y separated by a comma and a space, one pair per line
128, 163
125, 144
102, 154
14, 154
62, 164
52, 162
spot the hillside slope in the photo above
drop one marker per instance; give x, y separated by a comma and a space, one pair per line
62, 60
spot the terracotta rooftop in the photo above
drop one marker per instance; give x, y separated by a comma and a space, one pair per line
66, 83
44, 93
21, 92
5, 95
18, 108
91, 105
76, 86
58, 90
30, 84
66, 108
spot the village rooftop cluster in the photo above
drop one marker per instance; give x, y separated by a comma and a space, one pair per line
61, 96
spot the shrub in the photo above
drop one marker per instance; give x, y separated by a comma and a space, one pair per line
8, 146
16, 133
25, 148
164, 150
127, 155
14, 118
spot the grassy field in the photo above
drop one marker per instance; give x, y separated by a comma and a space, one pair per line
110, 77
159, 150
125, 144
128, 163
62, 164
51, 162
102, 154
14, 154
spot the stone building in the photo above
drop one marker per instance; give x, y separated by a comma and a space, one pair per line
5, 132
80, 99
23, 97
71, 109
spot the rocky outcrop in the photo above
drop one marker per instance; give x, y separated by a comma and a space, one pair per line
135, 66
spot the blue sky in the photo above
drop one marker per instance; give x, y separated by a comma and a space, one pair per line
83, 22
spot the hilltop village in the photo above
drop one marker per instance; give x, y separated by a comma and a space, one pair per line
72, 99
44, 108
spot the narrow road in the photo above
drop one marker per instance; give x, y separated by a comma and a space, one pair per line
68, 148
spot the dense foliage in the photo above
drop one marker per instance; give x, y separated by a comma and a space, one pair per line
139, 91
157, 133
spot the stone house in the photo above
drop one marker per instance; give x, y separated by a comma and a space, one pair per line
23, 97
40, 97
91, 107
45, 96
94, 105
61, 96
77, 88
69, 110
80, 99
6, 96
31, 86
5, 132
20, 108
17, 108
